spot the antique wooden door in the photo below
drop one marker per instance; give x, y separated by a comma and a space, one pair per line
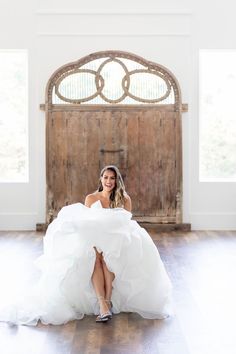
142, 140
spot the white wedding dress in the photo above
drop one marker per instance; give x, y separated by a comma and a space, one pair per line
64, 291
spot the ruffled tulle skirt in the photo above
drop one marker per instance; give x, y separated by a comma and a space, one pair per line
64, 290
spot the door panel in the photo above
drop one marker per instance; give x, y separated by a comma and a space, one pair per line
142, 143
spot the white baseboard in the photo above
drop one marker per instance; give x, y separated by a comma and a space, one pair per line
18, 221
213, 221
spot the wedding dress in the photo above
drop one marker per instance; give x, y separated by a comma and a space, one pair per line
64, 290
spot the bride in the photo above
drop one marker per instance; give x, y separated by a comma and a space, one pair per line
98, 261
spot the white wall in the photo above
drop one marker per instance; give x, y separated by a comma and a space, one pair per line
56, 32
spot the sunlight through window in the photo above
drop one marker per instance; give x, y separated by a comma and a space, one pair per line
14, 116
217, 115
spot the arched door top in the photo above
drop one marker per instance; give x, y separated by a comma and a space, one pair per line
111, 78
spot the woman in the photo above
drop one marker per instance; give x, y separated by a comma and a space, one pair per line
111, 194
96, 261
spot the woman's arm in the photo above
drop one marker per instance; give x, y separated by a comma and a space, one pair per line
128, 203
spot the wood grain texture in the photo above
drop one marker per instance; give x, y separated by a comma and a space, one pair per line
93, 150
201, 266
133, 161
114, 107
142, 143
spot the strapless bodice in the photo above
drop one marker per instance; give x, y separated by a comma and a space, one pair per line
97, 204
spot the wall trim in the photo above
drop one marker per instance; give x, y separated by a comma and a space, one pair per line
75, 34
112, 12
17, 221
213, 213
213, 220
18, 213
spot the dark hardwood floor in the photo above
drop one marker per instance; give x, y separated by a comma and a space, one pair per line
202, 267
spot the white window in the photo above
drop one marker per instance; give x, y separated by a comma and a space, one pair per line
13, 116
217, 115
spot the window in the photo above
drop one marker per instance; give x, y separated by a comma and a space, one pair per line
217, 115
13, 116
113, 80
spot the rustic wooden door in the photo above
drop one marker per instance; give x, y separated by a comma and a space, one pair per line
81, 143
115, 107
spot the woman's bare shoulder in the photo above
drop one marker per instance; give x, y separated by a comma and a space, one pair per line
91, 198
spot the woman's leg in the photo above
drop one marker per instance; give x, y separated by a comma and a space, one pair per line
108, 277
98, 281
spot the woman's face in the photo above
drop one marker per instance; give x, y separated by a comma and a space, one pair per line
108, 180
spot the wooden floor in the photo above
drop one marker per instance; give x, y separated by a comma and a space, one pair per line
202, 267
